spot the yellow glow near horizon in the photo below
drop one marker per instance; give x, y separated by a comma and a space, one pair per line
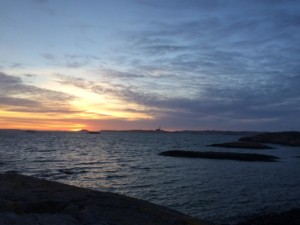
86, 107
34, 123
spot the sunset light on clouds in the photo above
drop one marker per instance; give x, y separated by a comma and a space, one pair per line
140, 64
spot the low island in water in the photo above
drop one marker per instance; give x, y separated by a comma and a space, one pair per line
221, 155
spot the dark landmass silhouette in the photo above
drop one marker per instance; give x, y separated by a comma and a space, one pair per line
290, 138
187, 131
93, 132
88, 131
242, 144
221, 155
139, 131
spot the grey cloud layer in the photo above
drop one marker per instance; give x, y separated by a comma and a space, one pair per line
197, 63
18, 96
219, 62
248, 105
243, 57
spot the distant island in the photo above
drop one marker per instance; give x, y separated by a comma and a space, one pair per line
251, 142
221, 155
241, 144
89, 132
158, 130
290, 138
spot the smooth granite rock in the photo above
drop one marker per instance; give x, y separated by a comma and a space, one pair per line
221, 155
241, 144
283, 138
27, 200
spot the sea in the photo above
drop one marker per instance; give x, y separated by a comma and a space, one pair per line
220, 191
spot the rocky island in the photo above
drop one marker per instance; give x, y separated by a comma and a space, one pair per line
221, 155
241, 144
290, 138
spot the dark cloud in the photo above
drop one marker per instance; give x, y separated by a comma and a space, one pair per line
11, 85
266, 36
12, 101
18, 96
59, 110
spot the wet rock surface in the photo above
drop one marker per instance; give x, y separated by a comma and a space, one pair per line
28, 200
241, 144
221, 155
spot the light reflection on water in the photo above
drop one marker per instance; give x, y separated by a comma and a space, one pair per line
128, 163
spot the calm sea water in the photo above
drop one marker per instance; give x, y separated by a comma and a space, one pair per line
222, 191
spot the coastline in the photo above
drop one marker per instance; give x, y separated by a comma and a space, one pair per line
26, 200
33, 201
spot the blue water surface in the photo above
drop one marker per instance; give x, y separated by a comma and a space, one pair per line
222, 191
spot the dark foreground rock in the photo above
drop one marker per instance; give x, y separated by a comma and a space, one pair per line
221, 155
30, 201
282, 138
242, 144
291, 217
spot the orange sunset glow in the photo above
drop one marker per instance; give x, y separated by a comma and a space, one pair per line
97, 66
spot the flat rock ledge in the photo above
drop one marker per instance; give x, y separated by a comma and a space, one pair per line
27, 200
241, 144
221, 155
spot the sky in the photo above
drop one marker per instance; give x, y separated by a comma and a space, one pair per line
141, 64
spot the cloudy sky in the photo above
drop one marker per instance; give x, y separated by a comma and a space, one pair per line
140, 64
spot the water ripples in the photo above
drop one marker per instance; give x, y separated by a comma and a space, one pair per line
127, 163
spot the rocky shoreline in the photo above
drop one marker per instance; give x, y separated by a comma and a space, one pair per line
289, 138
27, 200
